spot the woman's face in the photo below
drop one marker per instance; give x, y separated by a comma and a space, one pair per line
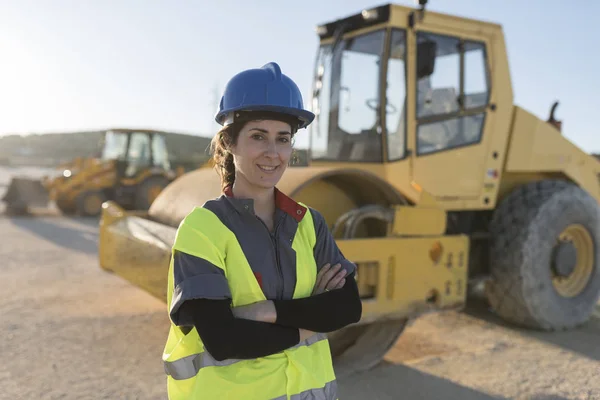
262, 152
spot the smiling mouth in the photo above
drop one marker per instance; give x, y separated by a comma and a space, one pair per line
267, 168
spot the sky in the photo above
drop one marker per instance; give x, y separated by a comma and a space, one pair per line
87, 65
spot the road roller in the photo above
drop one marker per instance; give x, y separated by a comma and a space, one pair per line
430, 178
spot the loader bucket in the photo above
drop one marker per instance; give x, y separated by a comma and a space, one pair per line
24, 193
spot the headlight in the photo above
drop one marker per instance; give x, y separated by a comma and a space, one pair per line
370, 15
66, 173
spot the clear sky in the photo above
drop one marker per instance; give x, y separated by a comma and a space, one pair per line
79, 65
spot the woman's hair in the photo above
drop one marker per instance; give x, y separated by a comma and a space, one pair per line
222, 158
226, 137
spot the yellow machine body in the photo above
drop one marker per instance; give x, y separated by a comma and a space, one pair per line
514, 145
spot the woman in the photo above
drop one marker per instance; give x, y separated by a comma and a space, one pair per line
256, 279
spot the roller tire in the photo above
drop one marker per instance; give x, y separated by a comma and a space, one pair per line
358, 348
523, 230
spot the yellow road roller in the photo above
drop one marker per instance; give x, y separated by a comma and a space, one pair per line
430, 177
133, 167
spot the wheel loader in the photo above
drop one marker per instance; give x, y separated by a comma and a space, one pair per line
131, 169
430, 177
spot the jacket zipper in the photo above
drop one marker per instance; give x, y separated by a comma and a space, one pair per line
273, 239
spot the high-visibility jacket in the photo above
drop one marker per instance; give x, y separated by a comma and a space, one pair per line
304, 371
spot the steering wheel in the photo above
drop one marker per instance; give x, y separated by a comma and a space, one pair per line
373, 103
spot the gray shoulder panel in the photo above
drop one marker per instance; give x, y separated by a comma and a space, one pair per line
219, 207
326, 250
195, 278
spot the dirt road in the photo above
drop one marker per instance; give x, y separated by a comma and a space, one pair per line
72, 331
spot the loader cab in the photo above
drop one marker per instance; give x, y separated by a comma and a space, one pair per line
409, 91
135, 151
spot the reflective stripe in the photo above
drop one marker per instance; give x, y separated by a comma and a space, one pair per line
327, 392
317, 337
188, 367
184, 368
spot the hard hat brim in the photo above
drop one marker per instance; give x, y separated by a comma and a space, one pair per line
304, 117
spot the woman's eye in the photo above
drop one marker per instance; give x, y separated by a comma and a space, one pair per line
284, 140
257, 137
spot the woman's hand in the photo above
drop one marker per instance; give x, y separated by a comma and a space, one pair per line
329, 278
263, 311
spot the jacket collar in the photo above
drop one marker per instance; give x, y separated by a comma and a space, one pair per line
282, 202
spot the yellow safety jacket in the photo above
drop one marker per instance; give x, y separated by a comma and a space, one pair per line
304, 371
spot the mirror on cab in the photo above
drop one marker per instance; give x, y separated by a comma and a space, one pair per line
426, 52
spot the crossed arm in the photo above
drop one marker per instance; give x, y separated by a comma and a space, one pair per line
334, 303
270, 326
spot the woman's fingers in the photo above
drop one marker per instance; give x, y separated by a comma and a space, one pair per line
321, 273
329, 278
341, 284
335, 280
318, 288
329, 274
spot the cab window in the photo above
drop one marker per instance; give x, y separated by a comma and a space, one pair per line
451, 101
346, 100
138, 156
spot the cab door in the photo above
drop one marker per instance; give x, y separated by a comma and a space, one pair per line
452, 117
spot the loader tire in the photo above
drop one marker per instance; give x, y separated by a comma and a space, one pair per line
64, 207
89, 203
148, 191
544, 252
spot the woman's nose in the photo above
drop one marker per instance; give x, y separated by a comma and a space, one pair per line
271, 149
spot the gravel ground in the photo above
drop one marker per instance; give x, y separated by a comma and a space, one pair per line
73, 331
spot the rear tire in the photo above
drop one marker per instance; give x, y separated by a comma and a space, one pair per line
524, 288
89, 203
148, 190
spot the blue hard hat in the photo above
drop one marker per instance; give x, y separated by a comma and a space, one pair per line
262, 89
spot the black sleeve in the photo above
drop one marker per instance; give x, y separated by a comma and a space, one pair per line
325, 312
225, 336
